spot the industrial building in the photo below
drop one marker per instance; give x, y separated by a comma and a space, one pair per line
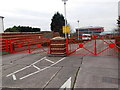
90, 30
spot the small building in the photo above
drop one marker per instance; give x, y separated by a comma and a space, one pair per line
1, 24
90, 30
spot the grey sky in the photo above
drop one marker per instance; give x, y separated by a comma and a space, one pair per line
38, 13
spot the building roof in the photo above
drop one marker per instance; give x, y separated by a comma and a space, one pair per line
90, 27
108, 32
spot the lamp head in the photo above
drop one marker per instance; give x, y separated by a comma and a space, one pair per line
64, 0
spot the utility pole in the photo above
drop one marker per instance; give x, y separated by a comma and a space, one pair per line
118, 14
65, 16
78, 30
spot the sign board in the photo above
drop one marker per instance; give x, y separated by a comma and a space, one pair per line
66, 29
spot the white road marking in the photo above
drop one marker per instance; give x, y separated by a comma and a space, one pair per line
49, 60
66, 85
33, 64
36, 67
14, 77
42, 69
17, 71
25, 67
38, 60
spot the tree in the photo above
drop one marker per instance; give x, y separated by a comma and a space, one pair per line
22, 29
57, 22
13, 29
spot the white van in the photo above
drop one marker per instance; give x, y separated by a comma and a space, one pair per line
86, 36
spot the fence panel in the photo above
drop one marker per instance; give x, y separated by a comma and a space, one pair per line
96, 45
33, 45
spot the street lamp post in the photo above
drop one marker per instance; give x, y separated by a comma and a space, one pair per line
78, 29
65, 16
119, 14
1, 24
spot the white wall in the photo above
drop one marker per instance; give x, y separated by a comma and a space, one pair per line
1, 25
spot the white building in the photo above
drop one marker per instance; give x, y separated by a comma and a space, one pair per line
1, 24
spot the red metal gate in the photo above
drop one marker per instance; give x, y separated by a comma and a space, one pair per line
97, 45
33, 45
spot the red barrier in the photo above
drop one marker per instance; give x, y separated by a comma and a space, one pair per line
34, 45
97, 45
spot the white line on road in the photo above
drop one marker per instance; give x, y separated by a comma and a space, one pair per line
66, 85
25, 67
42, 69
49, 60
36, 67
17, 71
38, 60
14, 77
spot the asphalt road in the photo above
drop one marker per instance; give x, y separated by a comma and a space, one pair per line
55, 71
41, 71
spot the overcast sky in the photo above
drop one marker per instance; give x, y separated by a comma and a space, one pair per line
38, 13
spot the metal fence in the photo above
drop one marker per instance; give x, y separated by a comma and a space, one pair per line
96, 45
26, 44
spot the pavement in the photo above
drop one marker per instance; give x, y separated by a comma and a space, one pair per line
41, 71
98, 72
